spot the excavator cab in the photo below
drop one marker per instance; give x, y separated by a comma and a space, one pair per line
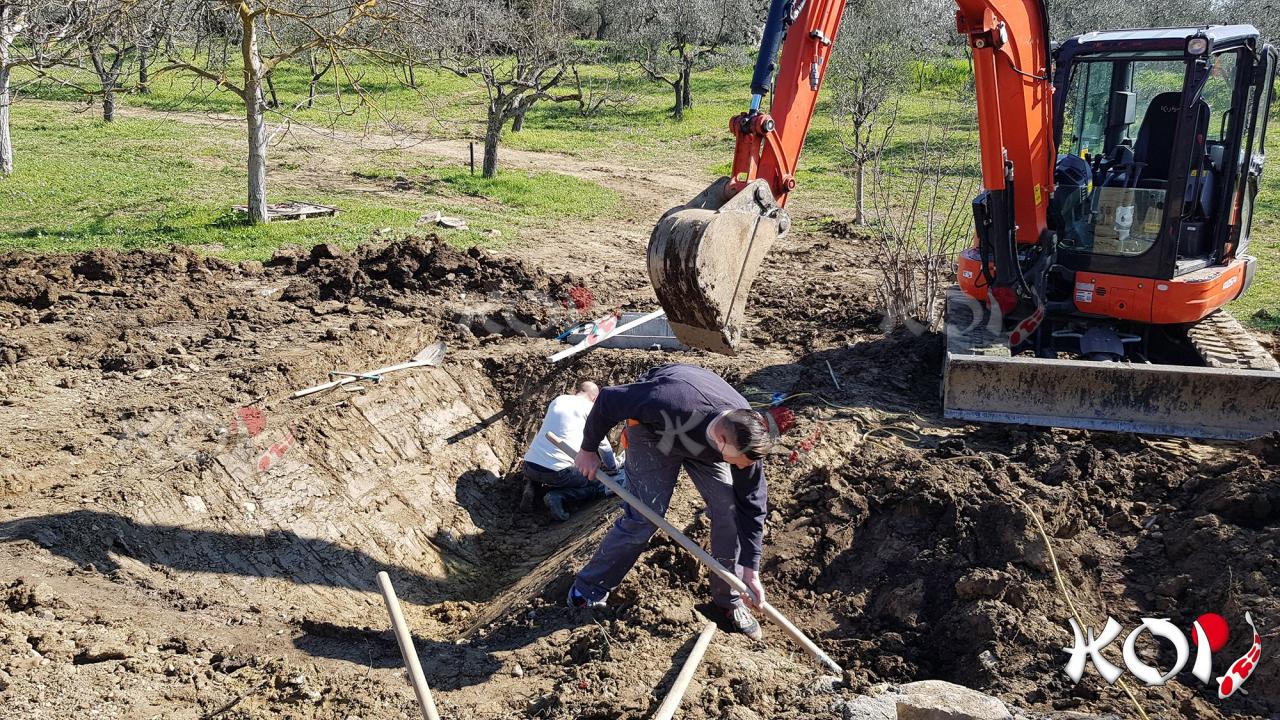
1159, 135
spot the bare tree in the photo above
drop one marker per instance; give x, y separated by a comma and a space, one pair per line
920, 219
673, 39
266, 33
870, 64
34, 34
112, 32
521, 53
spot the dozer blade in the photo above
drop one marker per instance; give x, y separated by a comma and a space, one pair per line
703, 257
981, 381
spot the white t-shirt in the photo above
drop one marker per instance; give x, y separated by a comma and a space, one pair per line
566, 416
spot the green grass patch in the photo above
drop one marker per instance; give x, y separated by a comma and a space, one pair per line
541, 194
82, 183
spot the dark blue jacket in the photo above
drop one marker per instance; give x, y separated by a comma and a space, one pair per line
677, 403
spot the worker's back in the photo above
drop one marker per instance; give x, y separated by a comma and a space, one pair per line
566, 416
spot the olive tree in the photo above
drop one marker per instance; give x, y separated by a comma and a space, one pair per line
519, 53
672, 39
113, 33
870, 63
35, 35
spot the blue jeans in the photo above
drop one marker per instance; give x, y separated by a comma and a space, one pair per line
567, 485
651, 477
566, 479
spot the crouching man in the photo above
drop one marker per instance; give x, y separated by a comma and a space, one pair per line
682, 416
547, 467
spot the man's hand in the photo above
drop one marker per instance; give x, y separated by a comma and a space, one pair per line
587, 463
752, 579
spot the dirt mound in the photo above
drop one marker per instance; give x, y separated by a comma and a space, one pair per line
380, 272
929, 565
40, 281
191, 538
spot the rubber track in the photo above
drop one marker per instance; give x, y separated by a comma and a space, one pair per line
1222, 342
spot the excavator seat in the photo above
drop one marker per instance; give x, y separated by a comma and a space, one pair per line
1152, 150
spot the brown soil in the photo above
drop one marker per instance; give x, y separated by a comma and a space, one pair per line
182, 539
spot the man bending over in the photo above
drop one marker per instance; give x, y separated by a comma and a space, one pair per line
682, 416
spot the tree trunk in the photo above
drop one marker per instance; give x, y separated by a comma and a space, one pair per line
108, 101
678, 114
271, 88
518, 123
255, 118
6, 142
602, 27
492, 134
686, 94
144, 56
315, 78
413, 80
860, 204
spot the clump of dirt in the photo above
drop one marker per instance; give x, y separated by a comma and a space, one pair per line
40, 281
802, 297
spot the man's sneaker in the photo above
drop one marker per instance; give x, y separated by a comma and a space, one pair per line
740, 620
578, 601
555, 505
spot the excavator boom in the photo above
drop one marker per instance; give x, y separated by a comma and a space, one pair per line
704, 255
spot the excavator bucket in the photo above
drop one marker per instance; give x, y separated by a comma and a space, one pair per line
704, 255
1234, 394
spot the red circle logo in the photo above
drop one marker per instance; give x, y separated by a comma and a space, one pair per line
1215, 628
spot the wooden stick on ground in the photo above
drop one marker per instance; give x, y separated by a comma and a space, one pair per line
734, 581
672, 702
407, 651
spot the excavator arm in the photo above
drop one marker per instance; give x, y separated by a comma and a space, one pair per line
704, 255
768, 146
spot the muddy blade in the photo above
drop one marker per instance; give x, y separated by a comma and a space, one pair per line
703, 259
982, 382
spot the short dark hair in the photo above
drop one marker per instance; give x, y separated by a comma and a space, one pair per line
749, 433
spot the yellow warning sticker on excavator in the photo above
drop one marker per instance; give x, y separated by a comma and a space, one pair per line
1039, 195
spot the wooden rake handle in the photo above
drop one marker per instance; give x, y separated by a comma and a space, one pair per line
671, 702
721, 572
426, 703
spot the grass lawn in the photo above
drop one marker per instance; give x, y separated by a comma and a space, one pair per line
82, 183
1263, 299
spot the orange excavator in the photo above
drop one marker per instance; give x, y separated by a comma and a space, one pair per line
1119, 172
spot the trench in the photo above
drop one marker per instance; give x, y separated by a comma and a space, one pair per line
417, 476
